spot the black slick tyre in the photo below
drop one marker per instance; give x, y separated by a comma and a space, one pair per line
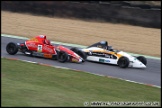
123, 62
62, 56
142, 59
79, 52
12, 48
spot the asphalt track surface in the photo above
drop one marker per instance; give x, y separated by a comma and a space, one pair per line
150, 75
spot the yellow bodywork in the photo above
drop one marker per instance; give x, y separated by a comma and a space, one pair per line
103, 51
33, 39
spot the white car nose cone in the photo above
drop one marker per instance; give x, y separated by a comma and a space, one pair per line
139, 65
143, 66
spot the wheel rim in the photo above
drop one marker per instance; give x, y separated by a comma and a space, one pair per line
123, 63
11, 48
62, 56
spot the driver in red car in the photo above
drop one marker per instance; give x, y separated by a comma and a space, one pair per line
45, 40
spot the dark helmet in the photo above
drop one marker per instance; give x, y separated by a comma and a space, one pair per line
104, 44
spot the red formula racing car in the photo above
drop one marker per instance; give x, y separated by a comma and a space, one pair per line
41, 47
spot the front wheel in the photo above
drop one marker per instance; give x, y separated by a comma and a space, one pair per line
12, 48
62, 56
123, 62
79, 52
142, 59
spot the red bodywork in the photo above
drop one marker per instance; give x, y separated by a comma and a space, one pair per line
74, 57
38, 44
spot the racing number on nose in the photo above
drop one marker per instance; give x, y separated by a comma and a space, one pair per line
39, 48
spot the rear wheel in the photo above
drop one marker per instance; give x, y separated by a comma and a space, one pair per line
62, 56
79, 52
142, 59
123, 62
12, 48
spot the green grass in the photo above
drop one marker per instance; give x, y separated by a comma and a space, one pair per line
27, 84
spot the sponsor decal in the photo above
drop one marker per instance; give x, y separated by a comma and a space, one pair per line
48, 49
32, 45
48, 55
104, 61
39, 48
107, 61
101, 60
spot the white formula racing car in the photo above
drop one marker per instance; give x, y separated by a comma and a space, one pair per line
101, 52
